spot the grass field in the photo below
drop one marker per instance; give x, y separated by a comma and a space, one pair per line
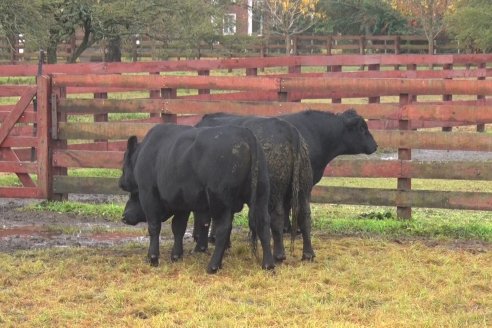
354, 282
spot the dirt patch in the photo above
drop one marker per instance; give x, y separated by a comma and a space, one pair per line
21, 229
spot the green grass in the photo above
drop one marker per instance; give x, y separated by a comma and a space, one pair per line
106, 210
16, 80
343, 220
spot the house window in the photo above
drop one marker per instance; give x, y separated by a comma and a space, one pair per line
229, 24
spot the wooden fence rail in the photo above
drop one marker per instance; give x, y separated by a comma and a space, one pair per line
16, 51
342, 63
82, 132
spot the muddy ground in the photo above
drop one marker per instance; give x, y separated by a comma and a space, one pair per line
22, 229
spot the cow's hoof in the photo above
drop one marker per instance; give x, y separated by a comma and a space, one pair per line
175, 257
200, 249
309, 257
212, 269
280, 258
268, 266
154, 260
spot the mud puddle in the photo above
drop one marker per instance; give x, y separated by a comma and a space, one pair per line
37, 237
22, 229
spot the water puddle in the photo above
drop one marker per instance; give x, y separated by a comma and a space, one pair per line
36, 237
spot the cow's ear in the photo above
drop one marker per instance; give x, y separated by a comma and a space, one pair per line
351, 121
350, 118
132, 144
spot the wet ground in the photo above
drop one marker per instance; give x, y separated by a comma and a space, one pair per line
21, 229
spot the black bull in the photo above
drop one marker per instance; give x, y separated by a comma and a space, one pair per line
329, 135
214, 171
289, 173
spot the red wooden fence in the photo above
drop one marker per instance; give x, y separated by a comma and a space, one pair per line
391, 104
15, 51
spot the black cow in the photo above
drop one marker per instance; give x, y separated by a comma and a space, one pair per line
289, 172
328, 135
178, 169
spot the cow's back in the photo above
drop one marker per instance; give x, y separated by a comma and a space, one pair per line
278, 139
196, 168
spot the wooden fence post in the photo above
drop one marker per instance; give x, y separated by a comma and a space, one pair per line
481, 66
376, 99
335, 68
168, 93
282, 95
101, 117
252, 71
412, 67
362, 45
397, 44
447, 97
404, 154
204, 91
44, 155
329, 42
59, 93
154, 94
295, 69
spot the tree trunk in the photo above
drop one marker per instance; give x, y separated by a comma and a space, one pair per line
287, 44
431, 46
12, 40
51, 55
113, 50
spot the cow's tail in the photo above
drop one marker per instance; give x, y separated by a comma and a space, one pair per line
253, 217
296, 181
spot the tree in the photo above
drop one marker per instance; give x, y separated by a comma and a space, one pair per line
367, 17
21, 17
99, 21
289, 17
184, 23
429, 14
471, 25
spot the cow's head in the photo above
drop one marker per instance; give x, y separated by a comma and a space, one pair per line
357, 138
133, 212
127, 180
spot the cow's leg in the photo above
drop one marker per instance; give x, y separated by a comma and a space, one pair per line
213, 232
180, 221
196, 228
277, 225
154, 214
223, 230
202, 223
305, 227
264, 235
154, 227
287, 224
